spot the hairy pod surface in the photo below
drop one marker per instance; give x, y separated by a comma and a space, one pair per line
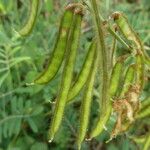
140, 71
141, 56
128, 80
145, 103
147, 61
104, 78
143, 114
144, 110
27, 28
58, 51
116, 75
87, 100
67, 75
138, 139
84, 73
125, 28
114, 83
103, 118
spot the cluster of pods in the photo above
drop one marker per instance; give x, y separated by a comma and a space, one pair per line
125, 79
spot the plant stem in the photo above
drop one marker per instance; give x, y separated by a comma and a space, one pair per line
103, 55
110, 30
105, 103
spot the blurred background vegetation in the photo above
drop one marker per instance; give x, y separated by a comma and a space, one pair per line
26, 111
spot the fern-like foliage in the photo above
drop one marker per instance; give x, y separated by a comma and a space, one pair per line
9, 57
20, 113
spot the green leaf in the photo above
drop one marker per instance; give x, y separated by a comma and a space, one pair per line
3, 69
15, 61
38, 110
39, 146
0, 134
2, 78
20, 105
32, 125
5, 129
14, 50
14, 105
2, 55
17, 126
12, 124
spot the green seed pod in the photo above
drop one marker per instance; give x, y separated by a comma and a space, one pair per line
125, 28
144, 110
128, 80
138, 140
116, 74
147, 61
84, 73
145, 113
103, 118
27, 28
86, 102
139, 71
145, 103
114, 83
67, 75
59, 50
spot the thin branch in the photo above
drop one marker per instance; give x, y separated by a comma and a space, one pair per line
103, 56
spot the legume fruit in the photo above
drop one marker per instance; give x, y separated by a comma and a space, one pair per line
27, 28
58, 53
87, 100
67, 74
140, 71
125, 28
84, 73
144, 110
128, 80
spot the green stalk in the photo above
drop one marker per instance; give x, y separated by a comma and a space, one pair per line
103, 54
104, 78
110, 30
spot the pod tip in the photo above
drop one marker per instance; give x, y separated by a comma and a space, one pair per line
79, 146
116, 15
105, 128
30, 84
110, 139
79, 11
50, 141
70, 6
88, 139
52, 102
76, 7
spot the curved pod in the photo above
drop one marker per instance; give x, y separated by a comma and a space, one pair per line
84, 73
116, 76
144, 110
140, 71
128, 80
27, 28
125, 28
67, 76
58, 51
86, 101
